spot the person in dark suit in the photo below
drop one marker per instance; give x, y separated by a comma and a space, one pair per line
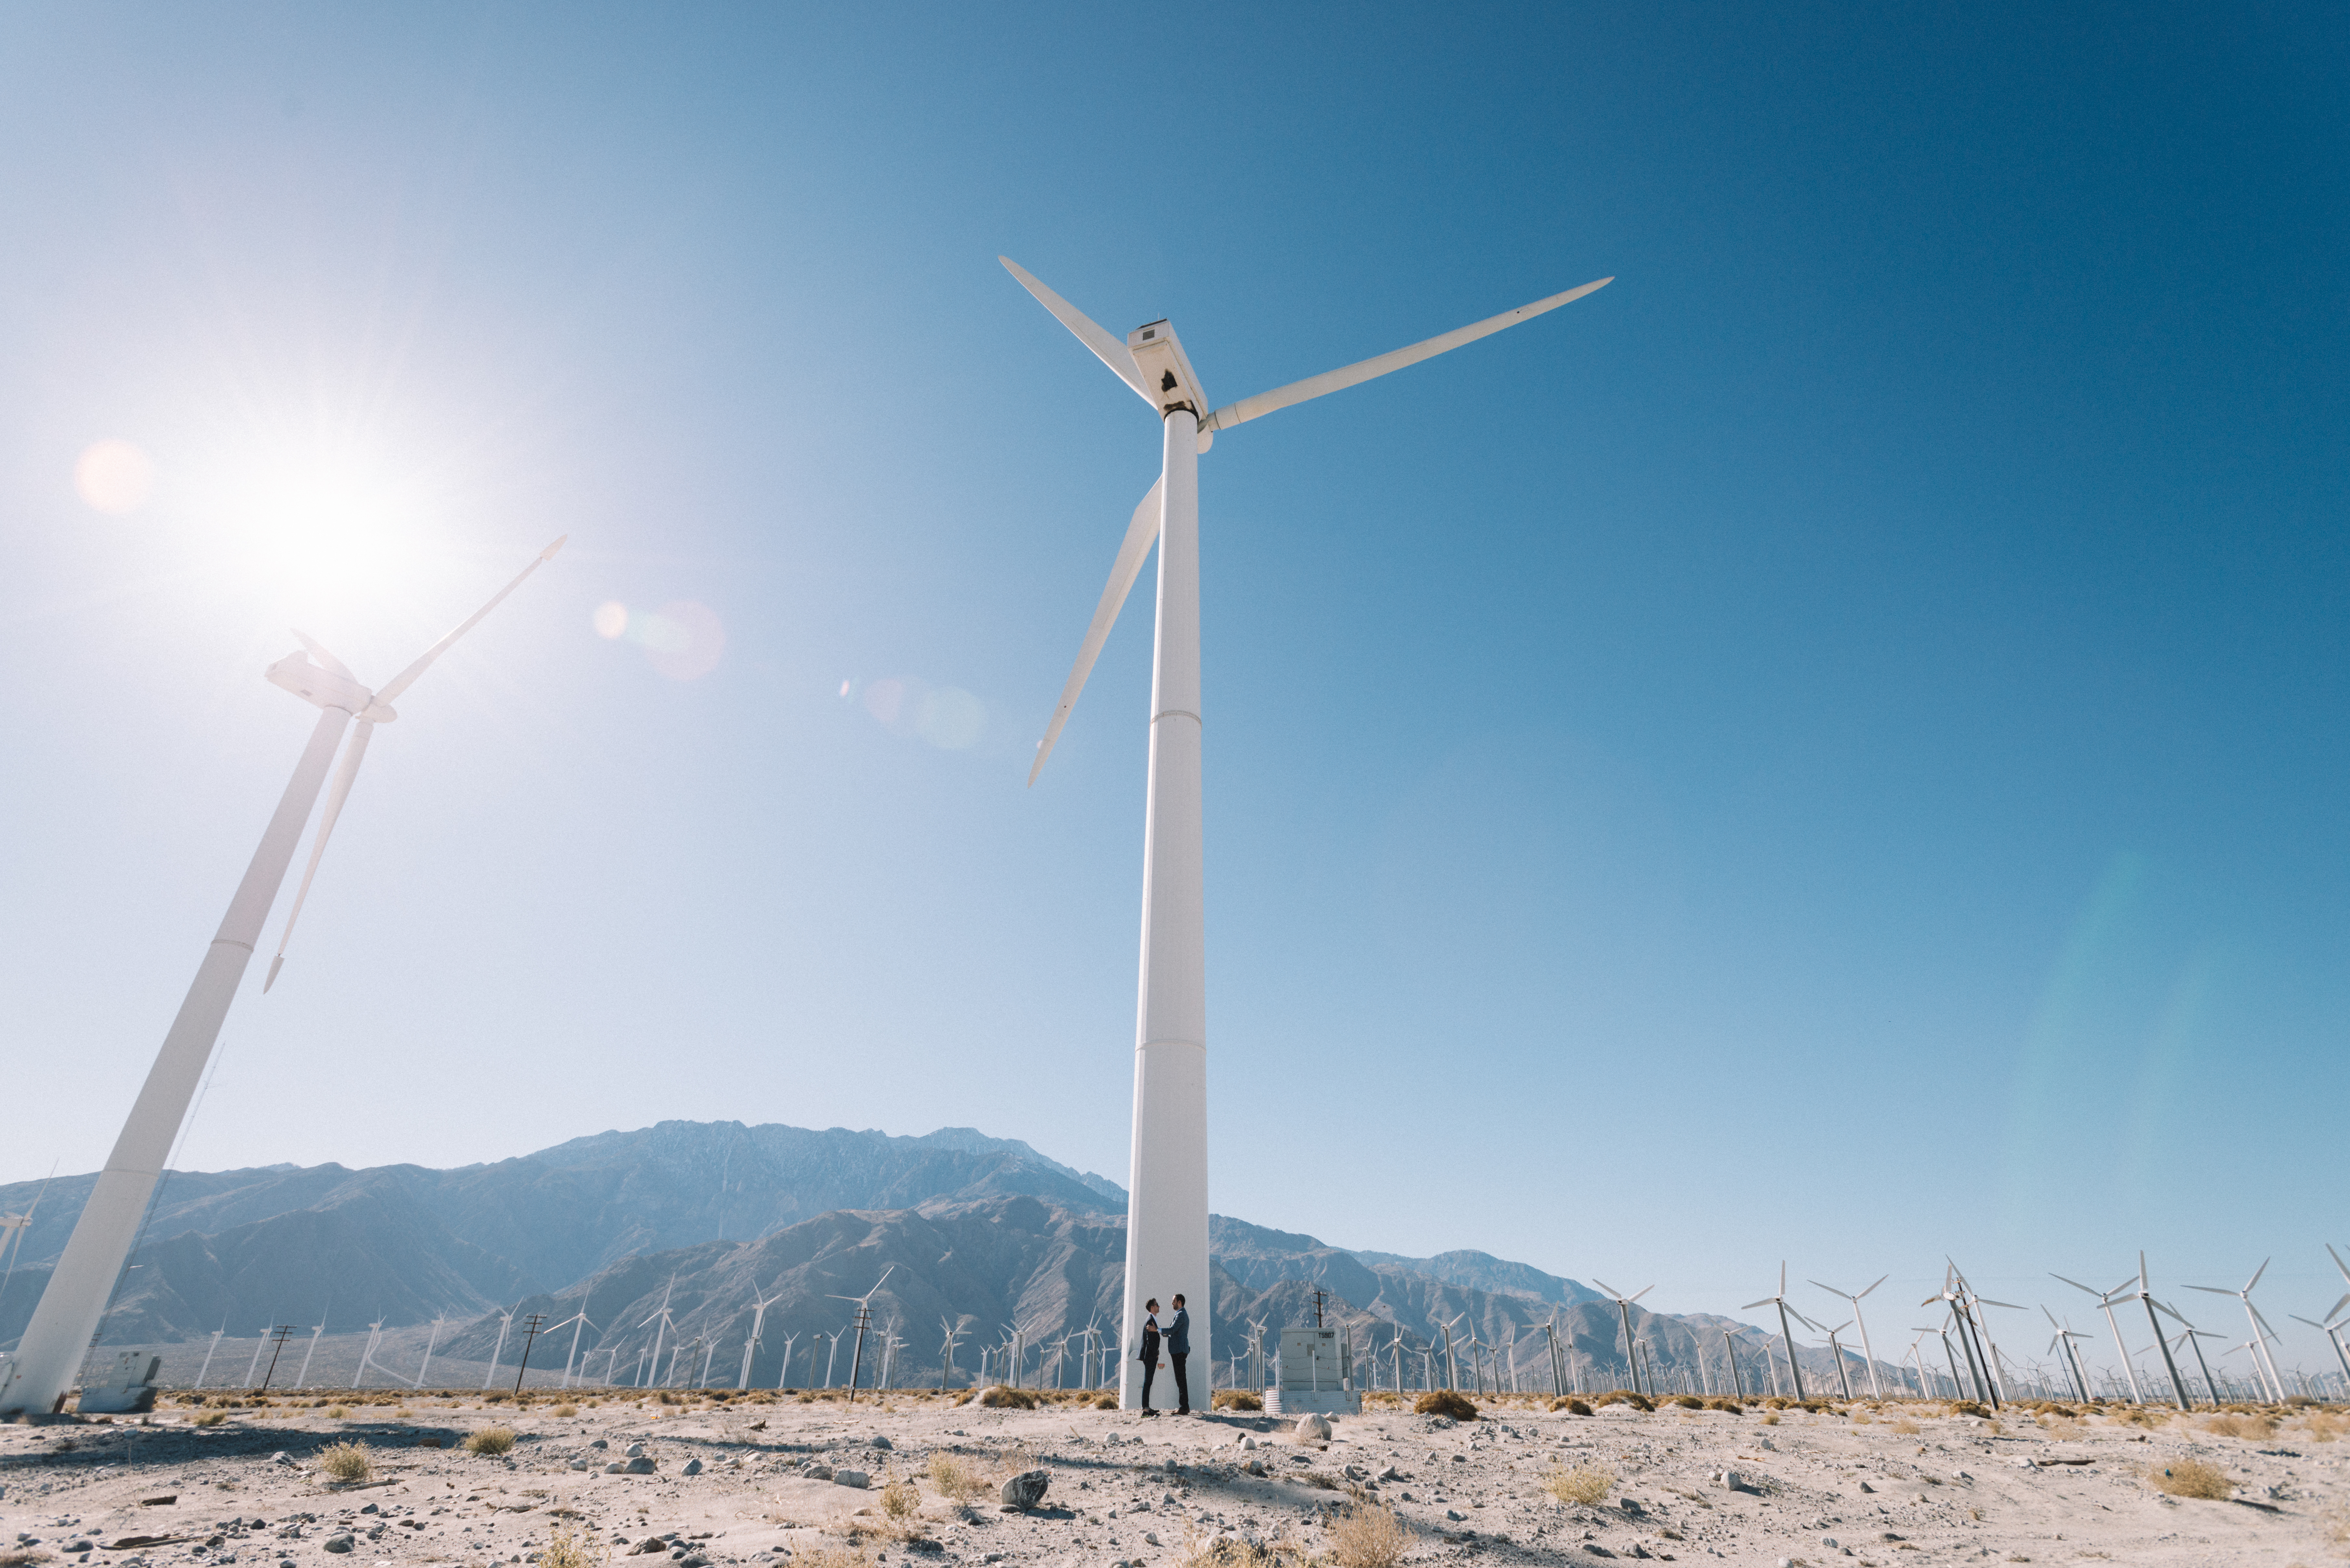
1149, 1350
1179, 1348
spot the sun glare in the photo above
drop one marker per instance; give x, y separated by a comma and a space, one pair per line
114, 477
318, 519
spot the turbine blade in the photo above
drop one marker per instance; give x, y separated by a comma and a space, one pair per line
2168, 1311
2337, 1261
1355, 375
1986, 1301
2258, 1273
1750, 1306
319, 651
2336, 1310
1643, 1290
2211, 1290
407, 678
1880, 1280
2075, 1284
353, 754
1111, 351
1604, 1286
1140, 535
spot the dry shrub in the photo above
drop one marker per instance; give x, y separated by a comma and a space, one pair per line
21, 1556
1367, 1537
1582, 1485
900, 1500
566, 1409
1571, 1405
2324, 1426
1445, 1402
1727, 1406
338, 1412
831, 1557
2191, 1478
208, 1418
347, 1462
1003, 1399
955, 1478
565, 1550
2256, 1426
1770, 1417
1906, 1427
1235, 1400
491, 1441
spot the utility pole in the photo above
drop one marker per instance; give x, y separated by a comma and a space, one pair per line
530, 1332
278, 1338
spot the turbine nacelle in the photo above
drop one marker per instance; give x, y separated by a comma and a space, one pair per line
1167, 371
325, 687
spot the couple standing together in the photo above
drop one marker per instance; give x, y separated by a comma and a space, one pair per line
1179, 1350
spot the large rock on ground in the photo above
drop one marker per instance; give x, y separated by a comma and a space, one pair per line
1312, 1428
1025, 1489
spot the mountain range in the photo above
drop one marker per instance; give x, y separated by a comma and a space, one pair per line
699, 1221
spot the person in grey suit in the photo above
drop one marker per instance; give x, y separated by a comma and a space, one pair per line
1179, 1350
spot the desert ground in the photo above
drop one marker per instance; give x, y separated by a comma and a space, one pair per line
765, 1479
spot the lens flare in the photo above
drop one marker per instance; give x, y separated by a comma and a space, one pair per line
947, 717
114, 477
611, 619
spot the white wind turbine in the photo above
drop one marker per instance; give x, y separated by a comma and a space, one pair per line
579, 1322
2062, 1342
2262, 1362
1786, 1334
375, 1337
205, 1371
758, 1321
2105, 1302
666, 1323
1167, 1213
302, 1376
1866, 1353
431, 1340
50, 1354
1624, 1310
505, 1321
786, 1378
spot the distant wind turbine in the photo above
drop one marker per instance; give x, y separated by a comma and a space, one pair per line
758, 1321
2262, 1363
1868, 1354
1786, 1334
50, 1353
1624, 1310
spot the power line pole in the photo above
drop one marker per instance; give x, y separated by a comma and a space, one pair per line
530, 1332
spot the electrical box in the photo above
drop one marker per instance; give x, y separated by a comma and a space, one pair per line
1315, 1374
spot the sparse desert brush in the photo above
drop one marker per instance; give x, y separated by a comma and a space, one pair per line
1571, 1405
831, 1557
1445, 1402
2322, 1425
2260, 1428
347, 1462
1906, 1427
1106, 1401
1236, 1399
491, 1441
338, 1412
900, 1500
1366, 1536
1770, 1417
564, 1550
1624, 1396
955, 1478
2191, 1478
208, 1418
1728, 1406
667, 1397
1001, 1397
1582, 1485
1969, 1407
1686, 1401
566, 1409
1860, 1416
21, 1556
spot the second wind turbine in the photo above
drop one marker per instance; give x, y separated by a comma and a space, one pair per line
1166, 1208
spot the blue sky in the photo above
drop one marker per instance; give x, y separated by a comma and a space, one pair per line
1831, 747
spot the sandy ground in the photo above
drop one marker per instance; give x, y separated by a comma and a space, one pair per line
1813, 1488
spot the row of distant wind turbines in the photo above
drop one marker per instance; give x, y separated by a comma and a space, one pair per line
1977, 1368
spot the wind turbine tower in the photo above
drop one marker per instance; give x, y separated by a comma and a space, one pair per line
1166, 1211
50, 1354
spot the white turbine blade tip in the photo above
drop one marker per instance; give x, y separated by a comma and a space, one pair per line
548, 553
275, 965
